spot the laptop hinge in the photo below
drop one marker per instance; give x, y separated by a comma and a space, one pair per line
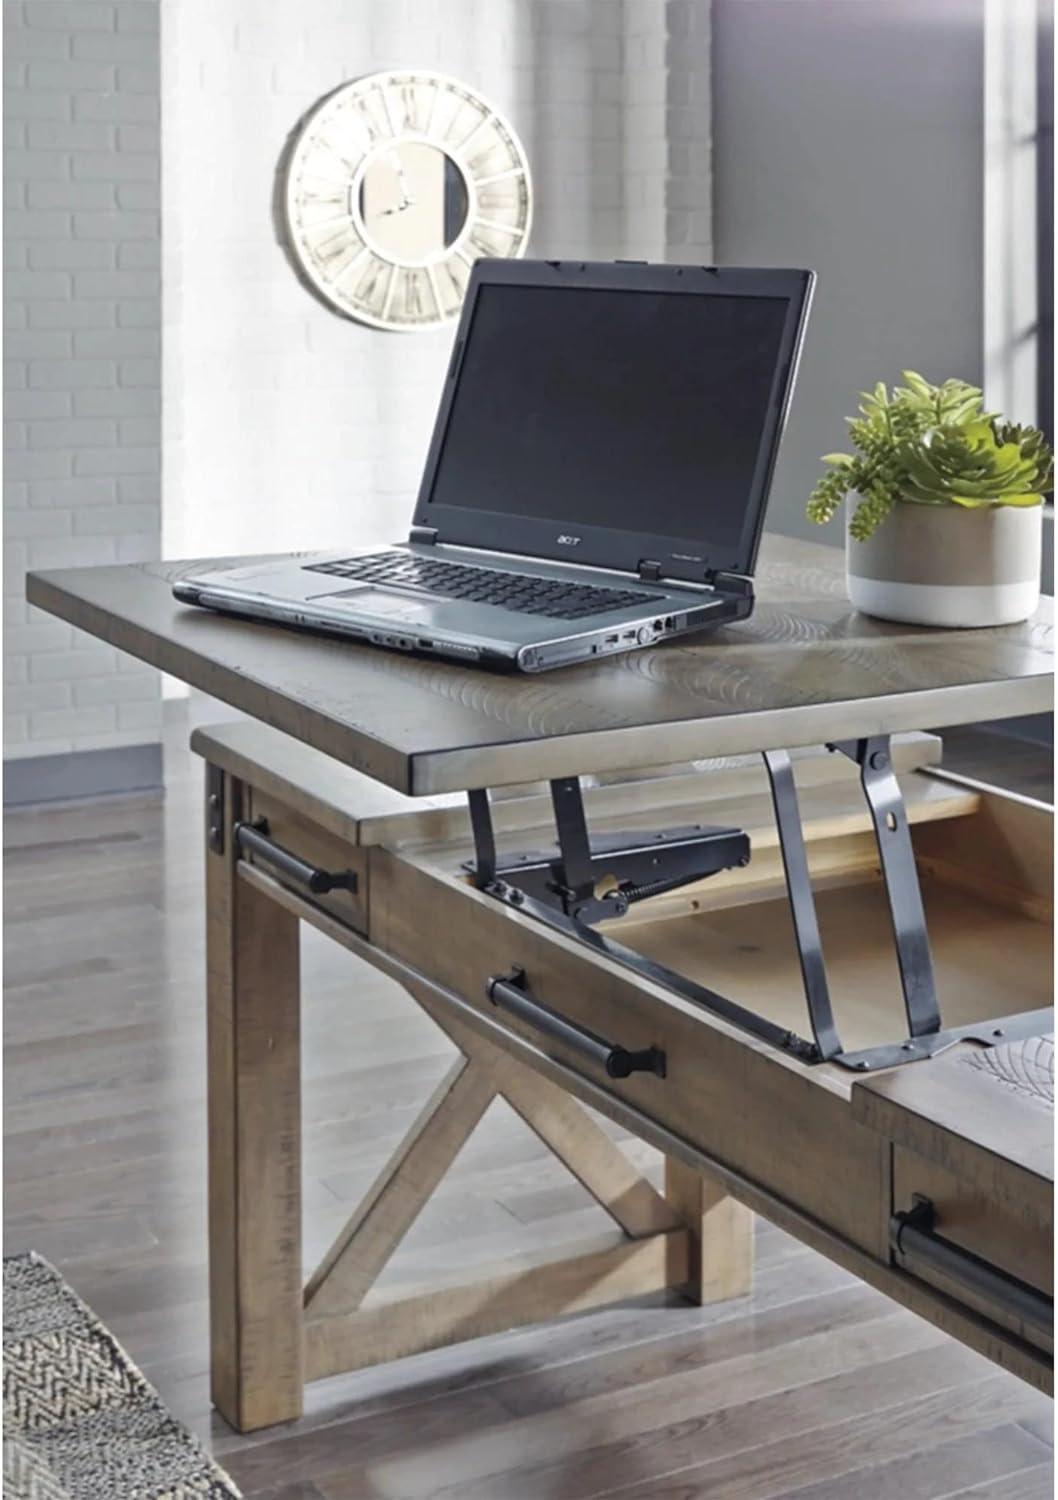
717, 578
427, 534
730, 583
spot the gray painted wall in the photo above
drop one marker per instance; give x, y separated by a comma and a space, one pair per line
848, 138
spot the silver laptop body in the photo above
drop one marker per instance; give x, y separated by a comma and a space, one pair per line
597, 477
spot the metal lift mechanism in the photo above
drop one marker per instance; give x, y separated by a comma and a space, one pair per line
590, 881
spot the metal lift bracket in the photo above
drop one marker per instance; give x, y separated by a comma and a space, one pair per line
591, 880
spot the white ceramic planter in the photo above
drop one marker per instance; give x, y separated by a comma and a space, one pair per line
946, 565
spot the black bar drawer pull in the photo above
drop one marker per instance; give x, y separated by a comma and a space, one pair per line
912, 1238
511, 992
253, 837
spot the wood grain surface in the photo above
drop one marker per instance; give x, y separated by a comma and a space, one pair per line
1026, 1067
803, 669
964, 1112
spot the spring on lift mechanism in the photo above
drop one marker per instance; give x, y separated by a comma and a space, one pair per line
634, 893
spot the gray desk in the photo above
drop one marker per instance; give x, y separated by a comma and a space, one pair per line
746, 1120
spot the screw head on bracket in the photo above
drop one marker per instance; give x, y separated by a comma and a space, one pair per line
879, 760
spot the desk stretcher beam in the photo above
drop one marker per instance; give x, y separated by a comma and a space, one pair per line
548, 1285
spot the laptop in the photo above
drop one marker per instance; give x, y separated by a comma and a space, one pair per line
597, 477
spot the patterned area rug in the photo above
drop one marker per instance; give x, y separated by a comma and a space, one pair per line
80, 1421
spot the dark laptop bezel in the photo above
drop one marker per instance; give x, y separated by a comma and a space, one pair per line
679, 558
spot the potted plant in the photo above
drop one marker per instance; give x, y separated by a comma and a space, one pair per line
944, 506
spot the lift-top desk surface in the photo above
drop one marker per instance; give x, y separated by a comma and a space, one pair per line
806, 668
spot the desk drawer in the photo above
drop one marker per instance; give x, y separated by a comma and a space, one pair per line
973, 1177
755, 1110
997, 1258
283, 832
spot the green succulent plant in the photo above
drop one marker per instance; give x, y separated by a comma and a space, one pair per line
931, 445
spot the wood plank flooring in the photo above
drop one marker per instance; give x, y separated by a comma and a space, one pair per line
814, 1387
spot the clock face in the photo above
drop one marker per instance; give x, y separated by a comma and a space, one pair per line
396, 184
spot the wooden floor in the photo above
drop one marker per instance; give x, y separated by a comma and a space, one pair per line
814, 1387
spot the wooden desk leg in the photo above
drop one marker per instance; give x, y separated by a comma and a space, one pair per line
254, 1090
721, 1234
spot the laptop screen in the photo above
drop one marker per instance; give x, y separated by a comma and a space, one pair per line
641, 411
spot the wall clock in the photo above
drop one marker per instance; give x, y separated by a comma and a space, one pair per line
394, 186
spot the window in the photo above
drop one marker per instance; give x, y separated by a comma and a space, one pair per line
1045, 217
1019, 210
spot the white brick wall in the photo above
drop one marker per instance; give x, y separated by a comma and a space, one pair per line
285, 424
82, 358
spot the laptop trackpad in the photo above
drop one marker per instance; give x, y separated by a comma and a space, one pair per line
380, 602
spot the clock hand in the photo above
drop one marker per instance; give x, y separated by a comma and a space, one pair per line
393, 157
401, 178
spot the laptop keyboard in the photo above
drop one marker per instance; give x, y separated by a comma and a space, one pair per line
521, 592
